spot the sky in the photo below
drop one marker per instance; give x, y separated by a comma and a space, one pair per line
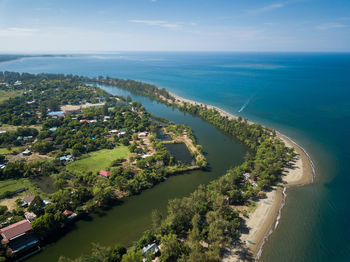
52, 26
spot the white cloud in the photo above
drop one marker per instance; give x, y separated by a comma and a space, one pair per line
266, 8
17, 31
330, 26
156, 23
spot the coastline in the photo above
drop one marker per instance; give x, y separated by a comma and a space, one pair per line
265, 218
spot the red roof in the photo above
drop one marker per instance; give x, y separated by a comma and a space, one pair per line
49, 139
15, 229
105, 173
67, 212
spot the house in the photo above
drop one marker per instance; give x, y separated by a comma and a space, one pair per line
53, 129
142, 134
55, 114
30, 102
114, 131
74, 110
27, 201
146, 155
105, 173
18, 236
25, 138
2, 166
150, 249
246, 175
69, 214
66, 158
84, 121
46, 202
17, 83
93, 121
3, 132
49, 139
26, 152
30, 216
106, 118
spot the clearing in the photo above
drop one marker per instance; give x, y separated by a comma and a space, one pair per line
4, 95
98, 160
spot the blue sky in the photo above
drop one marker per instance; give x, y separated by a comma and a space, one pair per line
174, 25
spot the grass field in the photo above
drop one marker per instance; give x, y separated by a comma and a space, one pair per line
98, 160
4, 95
14, 184
5, 127
5, 151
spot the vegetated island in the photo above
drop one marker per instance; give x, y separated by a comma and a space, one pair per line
210, 224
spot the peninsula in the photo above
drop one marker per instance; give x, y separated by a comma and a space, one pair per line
94, 148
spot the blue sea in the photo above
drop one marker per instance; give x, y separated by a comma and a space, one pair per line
305, 96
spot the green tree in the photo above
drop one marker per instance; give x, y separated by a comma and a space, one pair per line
133, 255
36, 206
171, 248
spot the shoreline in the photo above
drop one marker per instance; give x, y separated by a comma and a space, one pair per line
265, 218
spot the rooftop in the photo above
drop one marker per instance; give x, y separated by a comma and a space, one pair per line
105, 173
15, 229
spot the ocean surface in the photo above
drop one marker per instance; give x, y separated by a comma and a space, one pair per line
305, 96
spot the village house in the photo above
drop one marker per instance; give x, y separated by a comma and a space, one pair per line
69, 214
142, 134
105, 173
56, 114
48, 139
246, 176
66, 158
146, 155
30, 216
26, 152
27, 201
114, 131
150, 249
18, 236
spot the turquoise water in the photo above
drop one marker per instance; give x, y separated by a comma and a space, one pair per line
305, 96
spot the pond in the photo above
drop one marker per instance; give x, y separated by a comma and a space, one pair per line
161, 136
45, 183
180, 153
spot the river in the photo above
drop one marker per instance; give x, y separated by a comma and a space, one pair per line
125, 223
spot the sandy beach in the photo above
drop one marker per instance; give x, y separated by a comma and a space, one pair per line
264, 219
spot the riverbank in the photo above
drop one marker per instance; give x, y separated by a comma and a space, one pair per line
265, 218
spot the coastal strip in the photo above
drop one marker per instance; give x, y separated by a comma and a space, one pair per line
265, 218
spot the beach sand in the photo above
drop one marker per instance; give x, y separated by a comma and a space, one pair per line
264, 219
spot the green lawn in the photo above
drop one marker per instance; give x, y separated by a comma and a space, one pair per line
98, 160
5, 151
4, 95
14, 184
